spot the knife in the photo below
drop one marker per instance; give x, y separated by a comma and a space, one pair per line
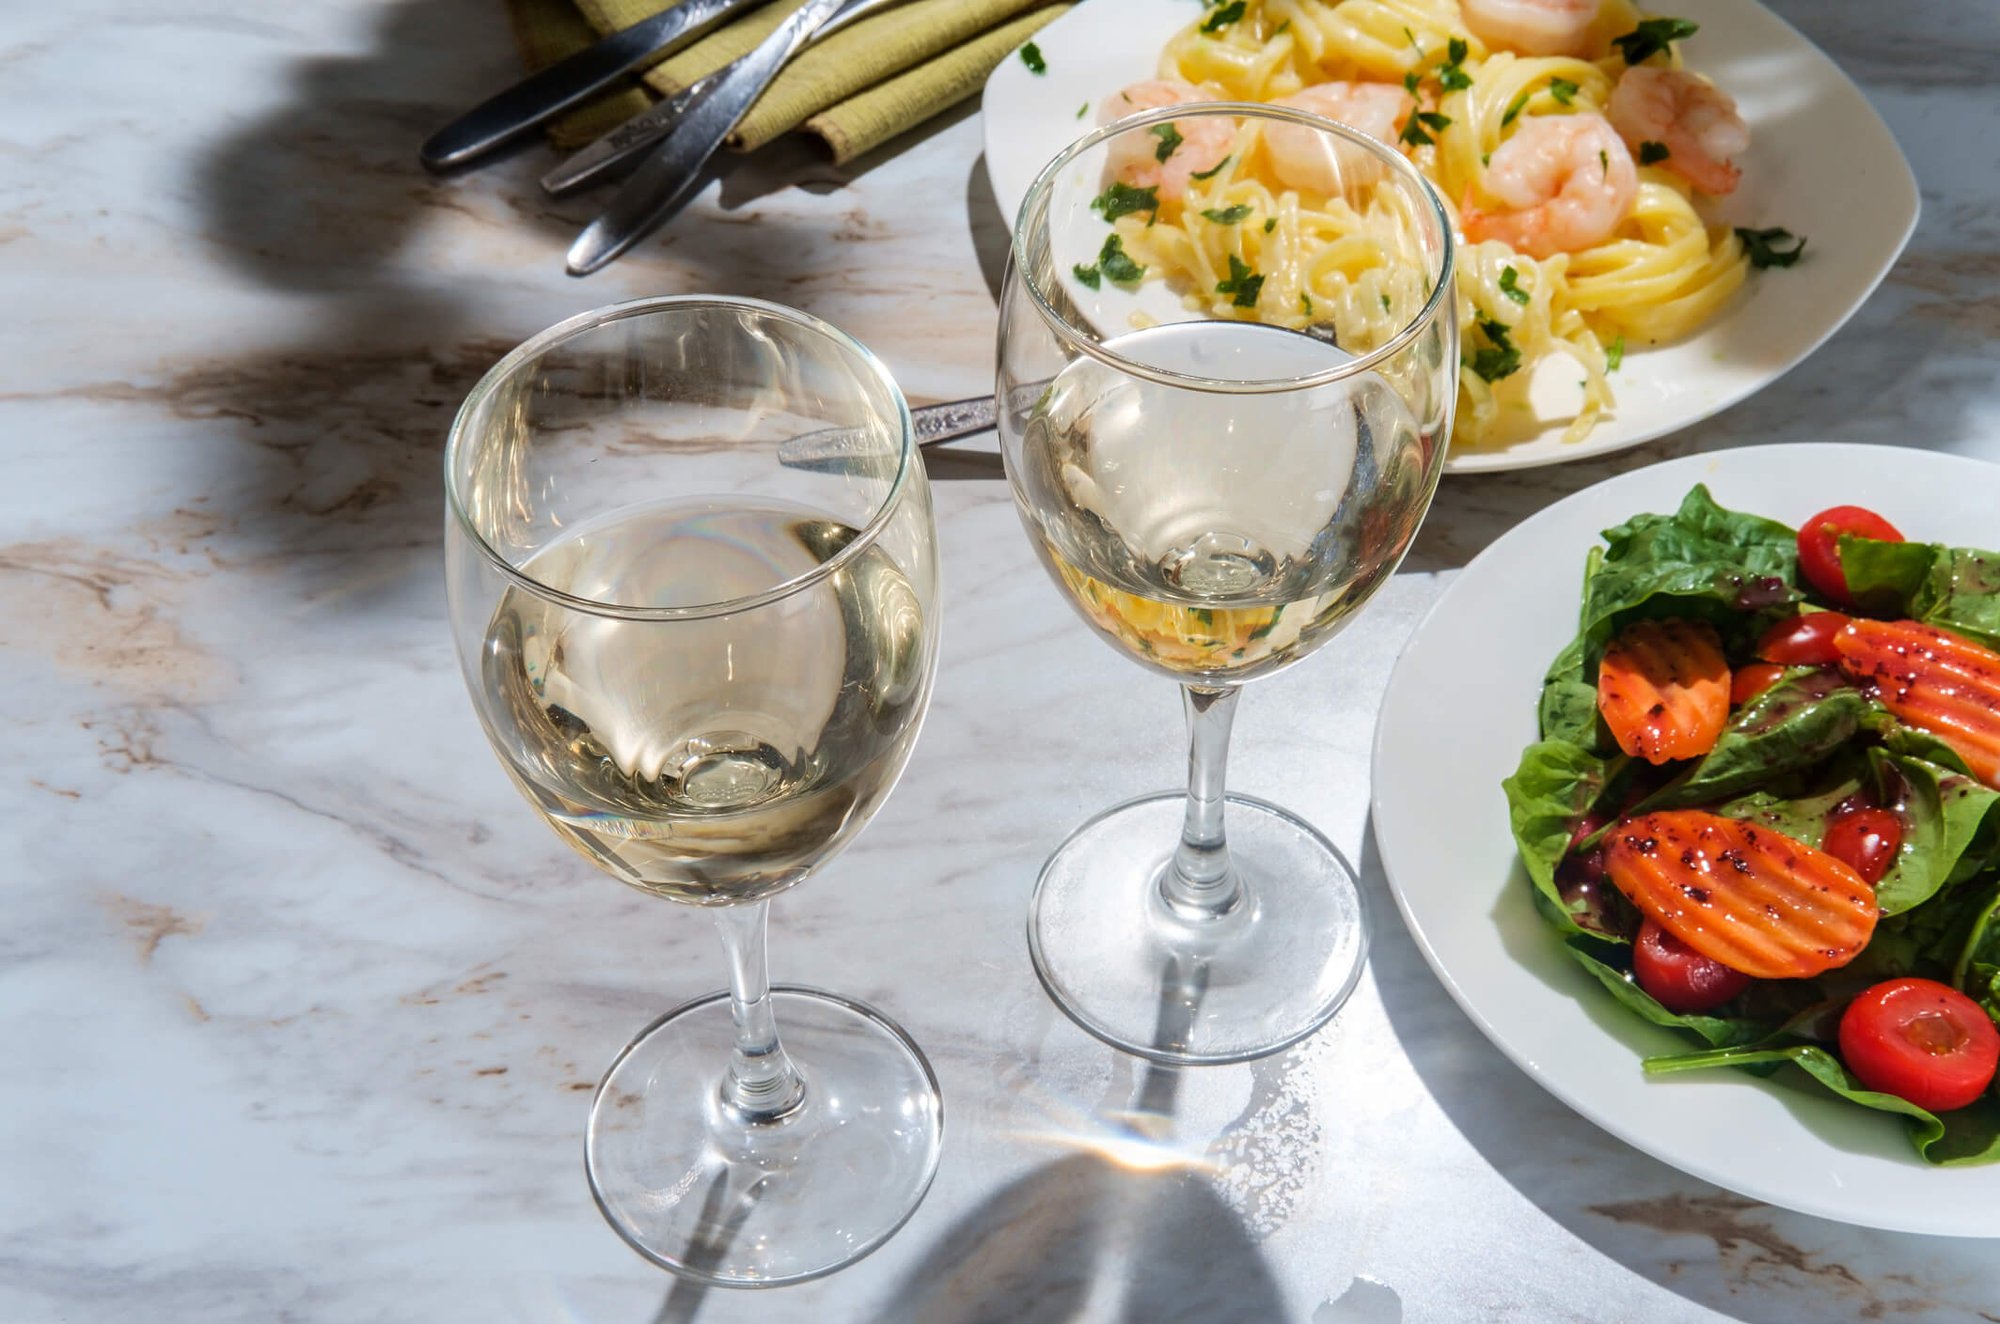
836, 450
649, 126
673, 174
542, 96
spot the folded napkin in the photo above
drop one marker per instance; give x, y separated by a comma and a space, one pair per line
854, 91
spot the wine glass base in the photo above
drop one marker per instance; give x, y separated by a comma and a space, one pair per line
701, 1194
1126, 968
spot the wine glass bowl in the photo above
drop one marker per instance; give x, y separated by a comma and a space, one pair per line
1223, 413
706, 668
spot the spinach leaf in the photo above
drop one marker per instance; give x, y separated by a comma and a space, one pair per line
1977, 970
1569, 702
1964, 1135
1702, 562
1945, 814
1717, 1030
1953, 588
1555, 784
1794, 725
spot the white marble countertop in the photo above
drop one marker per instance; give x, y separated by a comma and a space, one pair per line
301, 1008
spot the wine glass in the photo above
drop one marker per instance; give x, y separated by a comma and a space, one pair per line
706, 667
1223, 414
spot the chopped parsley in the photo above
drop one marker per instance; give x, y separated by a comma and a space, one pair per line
1562, 90
1228, 215
1223, 15
1615, 355
1604, 164
1762, 245
1087, 275
1170, 140
1451, 74
1306, 303
1514, 108
1413, 132
1385, 303
1243, 282
1117, 264
1652, 153
1270, 224
1652, 36
1031, 55
1212, 171
1410, 81
1123, 200
1502, 358
1083, 110
1415, 45
1510, 287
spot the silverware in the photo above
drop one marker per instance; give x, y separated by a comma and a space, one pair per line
591, 163
673, 174
833, 449
544, 95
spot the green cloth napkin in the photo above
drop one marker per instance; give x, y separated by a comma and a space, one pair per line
854, 91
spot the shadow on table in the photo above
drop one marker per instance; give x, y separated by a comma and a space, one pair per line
1126, 1217
330, 432
1759, 1264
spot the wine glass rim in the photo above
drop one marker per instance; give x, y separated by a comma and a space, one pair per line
1395, 161
542, 341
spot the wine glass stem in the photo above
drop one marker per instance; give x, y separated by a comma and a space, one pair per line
762, 1085
1202, 884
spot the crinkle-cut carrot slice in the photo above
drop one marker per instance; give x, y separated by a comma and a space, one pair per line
1946, 685
1754, 899
1663, 689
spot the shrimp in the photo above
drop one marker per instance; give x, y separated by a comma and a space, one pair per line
1564, 182
1133, 158
1692, 118
1306, 159
1533, 27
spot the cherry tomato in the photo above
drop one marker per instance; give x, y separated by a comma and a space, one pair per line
1805, 640
1865, 839
1922, 1041
1747, 682
1678, 977
1819, 545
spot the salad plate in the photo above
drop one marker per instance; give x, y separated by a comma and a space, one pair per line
1468, 902
1821, 163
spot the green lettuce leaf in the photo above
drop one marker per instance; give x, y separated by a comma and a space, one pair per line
1962, 1136
1953, 588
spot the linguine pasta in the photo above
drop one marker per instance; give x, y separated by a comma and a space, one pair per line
1320, 261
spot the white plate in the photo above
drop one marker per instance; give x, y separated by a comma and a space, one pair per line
1447, 737
1821, 163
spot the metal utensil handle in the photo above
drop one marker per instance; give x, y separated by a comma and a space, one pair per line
635, 135
673, 175
542, 96
952, 419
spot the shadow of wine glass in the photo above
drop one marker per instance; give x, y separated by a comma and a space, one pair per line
722, 1220
1128, 1214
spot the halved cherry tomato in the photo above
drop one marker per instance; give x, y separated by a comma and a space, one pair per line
1819, 545
1922, 1041
1866, 840
1747, 682
1678, 977
1663, 689
1946, 685
1805, 640
1740, 893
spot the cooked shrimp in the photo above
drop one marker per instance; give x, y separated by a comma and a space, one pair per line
1306, 159
1133, 158
1533, 27
1692, 118
1564, 182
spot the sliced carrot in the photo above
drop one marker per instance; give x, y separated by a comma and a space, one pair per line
1663, 688
1939, 682
1747, 896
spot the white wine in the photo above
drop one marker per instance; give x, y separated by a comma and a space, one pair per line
1219, 535
713, 758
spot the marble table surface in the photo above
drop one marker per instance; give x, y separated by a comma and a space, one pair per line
301, 1009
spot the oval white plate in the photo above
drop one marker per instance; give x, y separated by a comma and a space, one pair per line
1821, 163
1459, 709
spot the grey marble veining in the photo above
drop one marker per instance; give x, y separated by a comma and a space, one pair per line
301, 1009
